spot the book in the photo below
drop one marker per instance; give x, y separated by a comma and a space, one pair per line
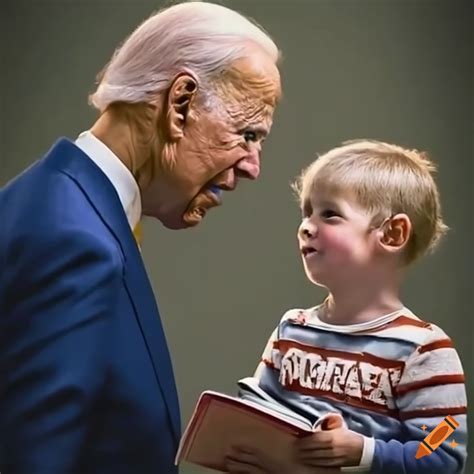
220, 421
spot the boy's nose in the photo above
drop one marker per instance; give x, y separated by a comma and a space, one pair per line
307, 231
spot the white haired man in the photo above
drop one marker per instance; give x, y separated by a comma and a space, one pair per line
86, 379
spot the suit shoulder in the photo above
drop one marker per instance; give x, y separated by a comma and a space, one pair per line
52, 215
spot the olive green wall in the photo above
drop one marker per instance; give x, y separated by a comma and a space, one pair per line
399, 71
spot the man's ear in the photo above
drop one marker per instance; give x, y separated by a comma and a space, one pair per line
181, 94
395, 233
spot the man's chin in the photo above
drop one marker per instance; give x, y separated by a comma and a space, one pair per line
175, 225
178, 224
187, 220
199, 207
193, 214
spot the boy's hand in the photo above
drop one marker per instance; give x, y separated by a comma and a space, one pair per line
332, 448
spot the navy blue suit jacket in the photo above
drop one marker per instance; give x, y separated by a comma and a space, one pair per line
86, 382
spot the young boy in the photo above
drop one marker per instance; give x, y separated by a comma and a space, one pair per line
370, 209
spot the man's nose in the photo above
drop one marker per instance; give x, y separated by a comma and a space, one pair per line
249, 167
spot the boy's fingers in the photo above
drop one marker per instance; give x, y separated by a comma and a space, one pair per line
324, 453
321, 439
332, 422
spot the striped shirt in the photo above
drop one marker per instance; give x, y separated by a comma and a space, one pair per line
393, 380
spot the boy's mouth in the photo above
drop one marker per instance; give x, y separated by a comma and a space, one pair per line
307, 250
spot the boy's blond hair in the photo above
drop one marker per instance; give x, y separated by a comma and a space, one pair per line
385, 180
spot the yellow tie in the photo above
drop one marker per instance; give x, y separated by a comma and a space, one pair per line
137, 233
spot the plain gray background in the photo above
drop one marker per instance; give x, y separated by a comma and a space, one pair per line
396, 70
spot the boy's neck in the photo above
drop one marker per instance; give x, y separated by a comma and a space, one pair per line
362, 303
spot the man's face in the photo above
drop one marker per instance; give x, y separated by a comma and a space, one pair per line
219, 145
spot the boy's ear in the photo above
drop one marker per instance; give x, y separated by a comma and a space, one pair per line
395, 233
181, 94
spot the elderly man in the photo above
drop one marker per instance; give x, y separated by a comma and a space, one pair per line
86, 382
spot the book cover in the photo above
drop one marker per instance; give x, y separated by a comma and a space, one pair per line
220, 421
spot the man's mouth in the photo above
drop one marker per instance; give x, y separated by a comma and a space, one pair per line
215, 190
209, 197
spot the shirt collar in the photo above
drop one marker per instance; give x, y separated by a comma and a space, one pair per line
117, 173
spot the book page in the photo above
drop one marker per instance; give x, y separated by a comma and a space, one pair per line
277, 410
250, 390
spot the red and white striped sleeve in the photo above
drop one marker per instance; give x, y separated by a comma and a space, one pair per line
432, 383
432, 386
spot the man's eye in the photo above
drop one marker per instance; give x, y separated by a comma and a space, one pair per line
250, 136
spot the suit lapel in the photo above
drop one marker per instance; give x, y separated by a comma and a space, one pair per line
69, 159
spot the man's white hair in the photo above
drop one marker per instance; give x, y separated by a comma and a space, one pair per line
200, 38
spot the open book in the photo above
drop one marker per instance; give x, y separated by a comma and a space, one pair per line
221, 421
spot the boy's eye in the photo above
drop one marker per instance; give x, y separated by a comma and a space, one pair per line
328, 213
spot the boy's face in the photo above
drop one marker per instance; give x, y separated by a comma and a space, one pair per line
337, 241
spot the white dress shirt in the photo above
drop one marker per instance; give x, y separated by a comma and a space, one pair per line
117, 173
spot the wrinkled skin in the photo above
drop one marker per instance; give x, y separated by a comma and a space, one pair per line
184, 151
211, 148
